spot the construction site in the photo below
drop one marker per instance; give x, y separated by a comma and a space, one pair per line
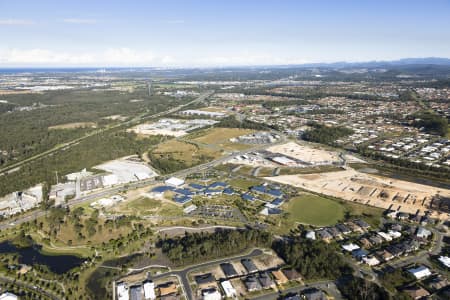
368, 189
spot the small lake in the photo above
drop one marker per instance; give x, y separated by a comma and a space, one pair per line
58, 264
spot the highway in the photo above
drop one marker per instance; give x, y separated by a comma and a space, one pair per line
133, 185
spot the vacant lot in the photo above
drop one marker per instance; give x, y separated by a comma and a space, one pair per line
189, 154
220, 137
314, 210
74, 125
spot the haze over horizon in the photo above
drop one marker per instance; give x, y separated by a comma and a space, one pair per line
197, 33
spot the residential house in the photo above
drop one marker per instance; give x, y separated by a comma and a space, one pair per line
249, 265
420, 272
416, 292
279, 276
252, 284
266, 281
228, 269
205, 281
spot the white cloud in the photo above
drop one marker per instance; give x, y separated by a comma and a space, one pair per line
134, 58
13, 22
80, 21
108, 57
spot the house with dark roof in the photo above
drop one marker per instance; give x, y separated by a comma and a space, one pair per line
252, 284
136, 292
266, 281
342, 228
334, 232
324, 235
292, 297
205, 280
228, 269
313, 294
358, 254
361, 223
292, 275
249, 265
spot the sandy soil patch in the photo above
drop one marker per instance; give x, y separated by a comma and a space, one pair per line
368, 189
305, 153
74, 125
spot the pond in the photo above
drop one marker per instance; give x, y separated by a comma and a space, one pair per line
58, 264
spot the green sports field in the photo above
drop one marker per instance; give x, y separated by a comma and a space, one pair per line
314, 210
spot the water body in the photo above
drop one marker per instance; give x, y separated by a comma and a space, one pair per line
58, 264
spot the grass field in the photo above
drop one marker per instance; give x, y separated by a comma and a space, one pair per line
220, 137
186, 152
314, 210
146, 206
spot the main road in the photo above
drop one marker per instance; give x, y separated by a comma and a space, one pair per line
138, 184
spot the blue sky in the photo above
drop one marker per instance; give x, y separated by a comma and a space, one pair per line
219, 33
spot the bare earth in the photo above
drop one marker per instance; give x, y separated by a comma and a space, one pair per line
369, 189
305, 153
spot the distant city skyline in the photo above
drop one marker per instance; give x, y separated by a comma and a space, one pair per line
195, 33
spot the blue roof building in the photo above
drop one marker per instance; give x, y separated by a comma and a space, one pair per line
228, 191
210, 192
258, 189
196, 186
275, 193
248, 197
218, 184
161, 189
277, 202
182, 199
184, 192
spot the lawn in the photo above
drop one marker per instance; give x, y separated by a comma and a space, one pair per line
314, 210
146, 206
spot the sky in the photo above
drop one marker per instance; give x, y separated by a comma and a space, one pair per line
204, 33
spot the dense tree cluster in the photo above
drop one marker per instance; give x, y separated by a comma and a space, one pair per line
313, 259
232, 122
196, 247
26, 132
325, 134
88, 153
356, 288
431, 122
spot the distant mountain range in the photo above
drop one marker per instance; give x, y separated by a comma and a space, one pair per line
383, 64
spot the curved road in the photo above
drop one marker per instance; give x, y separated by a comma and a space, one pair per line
182, 274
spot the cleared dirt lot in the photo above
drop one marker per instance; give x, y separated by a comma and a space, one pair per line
74, 125
306, 153
368, 189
